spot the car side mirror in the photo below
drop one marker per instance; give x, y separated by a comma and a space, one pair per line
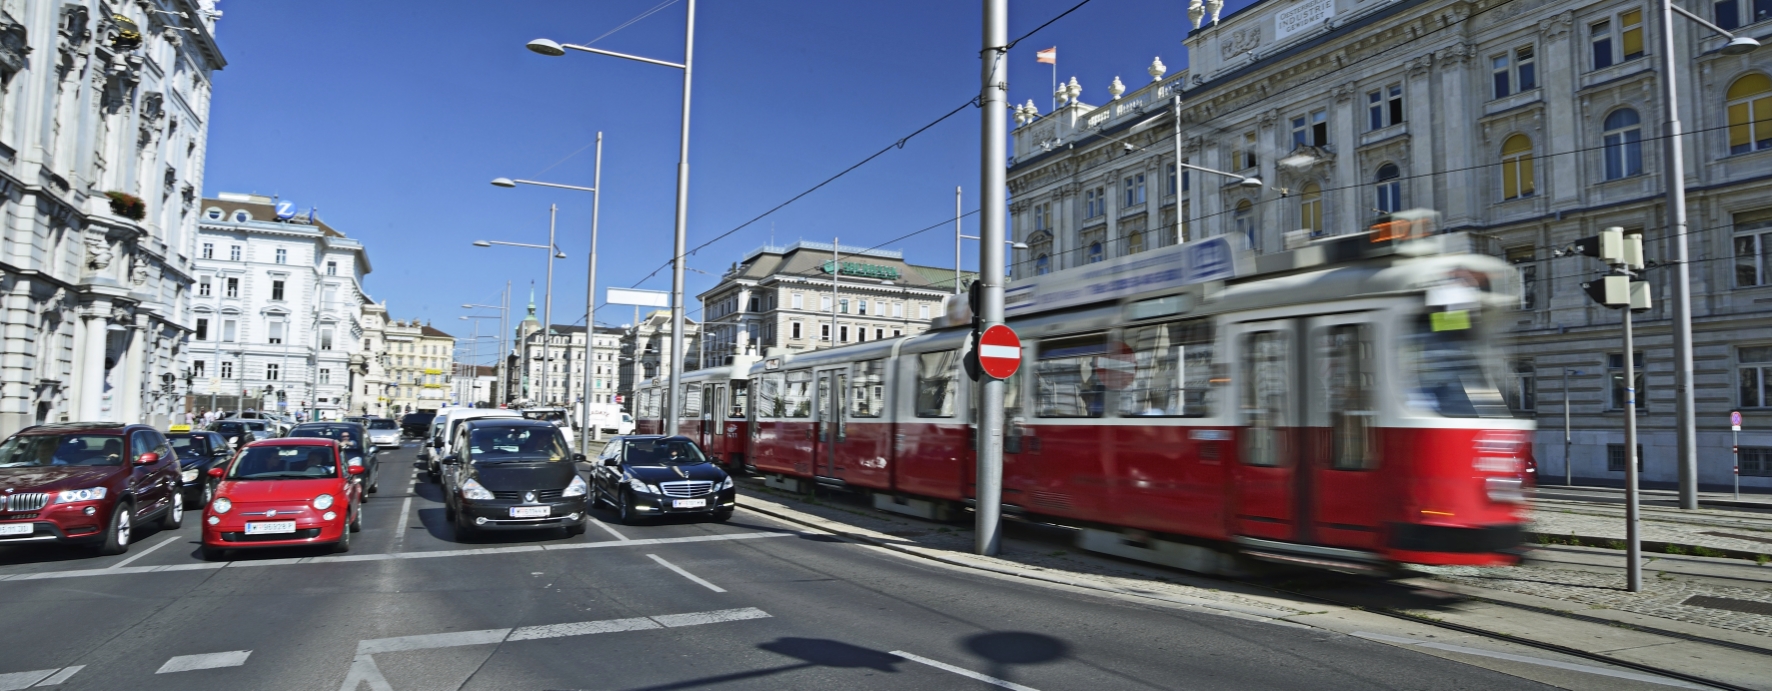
452, 459
216, 473
148, 458
578, 458
354, 470
355, 462
611, 462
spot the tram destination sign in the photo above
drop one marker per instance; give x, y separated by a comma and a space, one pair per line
1212, 259
862, 269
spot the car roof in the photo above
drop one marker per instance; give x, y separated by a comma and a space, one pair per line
467, 413
508, 422
338, 423
295, 441
88, 427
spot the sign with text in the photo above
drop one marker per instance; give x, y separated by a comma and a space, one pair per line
862, 269
1302, 17
1165, 268
643, 298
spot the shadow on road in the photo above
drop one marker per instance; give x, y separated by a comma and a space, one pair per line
812, 652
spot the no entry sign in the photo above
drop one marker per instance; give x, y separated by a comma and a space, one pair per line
999, 352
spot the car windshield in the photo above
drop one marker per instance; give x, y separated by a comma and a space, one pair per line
663, 452
254, 425
347, 436
383, 424
516, 445
284, 463
26, 451
554, 416
185, 446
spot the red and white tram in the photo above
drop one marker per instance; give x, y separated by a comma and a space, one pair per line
1341, 413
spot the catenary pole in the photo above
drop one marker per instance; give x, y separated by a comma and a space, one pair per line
547, 313
1633, 572
993, 101
1674, 175
957, 237
590, 430
1180, 174
682, 232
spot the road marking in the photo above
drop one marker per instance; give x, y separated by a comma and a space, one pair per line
400, 530
606, 527
452, 639
1590, 669
686, 574
364, 671
13, 681
187, 663
205, 566
144, 552
962, 671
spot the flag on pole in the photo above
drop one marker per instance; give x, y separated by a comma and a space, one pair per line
1048, 56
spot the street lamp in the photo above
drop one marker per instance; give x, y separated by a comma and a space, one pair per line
554, 252
958, 236
1674, 171
584, 439
544, 46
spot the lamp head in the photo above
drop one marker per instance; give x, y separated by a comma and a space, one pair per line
1740, 45
1018, 245
482, 243
1249, 182
503, 182
467, 307
559, 255
546, 47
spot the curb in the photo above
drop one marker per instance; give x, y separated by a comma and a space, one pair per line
1655, 546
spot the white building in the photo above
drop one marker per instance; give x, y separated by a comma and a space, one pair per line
1528, 123
559, 379
276, 309
104, 115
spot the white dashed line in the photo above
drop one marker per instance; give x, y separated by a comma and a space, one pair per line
529, 633
13, 681
962, 671
611, 531
62, 676
144, 552
400, 530
1652, 679
686, 574
187, 663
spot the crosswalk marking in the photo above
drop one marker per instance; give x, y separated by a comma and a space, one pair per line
529, 633
187, 663
13, 681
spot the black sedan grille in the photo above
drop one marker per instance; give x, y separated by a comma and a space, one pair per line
28, 501
686, 488
540, 495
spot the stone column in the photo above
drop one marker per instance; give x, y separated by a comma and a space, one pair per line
1461, 141
1418, 88
1346, 211
128, 397
1559, 176
90, 370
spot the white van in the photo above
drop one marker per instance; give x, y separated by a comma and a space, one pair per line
609, 417
440, 439
561, 417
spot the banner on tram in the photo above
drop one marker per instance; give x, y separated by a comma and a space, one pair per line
1212, 259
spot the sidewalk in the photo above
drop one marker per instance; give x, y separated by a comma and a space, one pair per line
1749, 498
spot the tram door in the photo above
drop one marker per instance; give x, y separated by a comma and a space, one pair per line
1342, 455
832, 428
710, 419
1266, 481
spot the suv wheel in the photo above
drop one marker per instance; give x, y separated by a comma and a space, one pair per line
117, 537
175, 513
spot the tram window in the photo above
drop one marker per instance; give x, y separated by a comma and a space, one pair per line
1348, 384
740, 397
936, 386
1073, 376
1454, 369
769, 402
691, 402
867, 395
1172, 370
1012, 394
1267, 395
796, 397
648, 403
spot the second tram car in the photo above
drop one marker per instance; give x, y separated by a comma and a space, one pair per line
1338, 407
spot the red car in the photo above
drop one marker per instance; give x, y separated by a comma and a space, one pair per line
87, 482
282, 493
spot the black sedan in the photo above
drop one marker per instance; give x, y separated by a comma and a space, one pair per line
513, 474
197, 453
652, 475
417, 425
353, 442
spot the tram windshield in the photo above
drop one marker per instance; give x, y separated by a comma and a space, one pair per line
1454, 367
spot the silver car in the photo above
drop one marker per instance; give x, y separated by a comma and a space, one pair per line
383, 432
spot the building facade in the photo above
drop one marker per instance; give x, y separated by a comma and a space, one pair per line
1528, 123
103, 124
782, 298
559, 378
421, 364
646, 351
276, 310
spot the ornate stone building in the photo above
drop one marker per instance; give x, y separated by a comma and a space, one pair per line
421, 362
103, 118
563, 382
1529, 123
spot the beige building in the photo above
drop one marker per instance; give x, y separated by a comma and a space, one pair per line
646, 351
421, 362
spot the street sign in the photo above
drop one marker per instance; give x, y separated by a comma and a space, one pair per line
999, 352
1735, 420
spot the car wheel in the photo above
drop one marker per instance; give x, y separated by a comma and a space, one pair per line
344, 542
464, 526
448, 511
208, 493
117, 537
375, 486
175, 514
357, 518
626, 509
436, 477
575, 529
213, 553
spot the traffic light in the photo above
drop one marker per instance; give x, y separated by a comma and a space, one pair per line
974, 301
1618, 291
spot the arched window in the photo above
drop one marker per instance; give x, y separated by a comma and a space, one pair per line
1390, 189
1750, 114
1095, 252
1135, 243
1624, 144
1310, 208
1042, 265
1517, 179
1244, 220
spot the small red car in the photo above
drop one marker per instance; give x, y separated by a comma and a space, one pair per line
283, 492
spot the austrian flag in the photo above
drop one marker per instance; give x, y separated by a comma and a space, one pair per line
1048, 56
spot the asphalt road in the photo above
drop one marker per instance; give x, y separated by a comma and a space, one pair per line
749, 604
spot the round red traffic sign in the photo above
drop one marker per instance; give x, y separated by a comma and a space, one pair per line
999, 352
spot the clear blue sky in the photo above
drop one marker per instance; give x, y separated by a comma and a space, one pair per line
391, 118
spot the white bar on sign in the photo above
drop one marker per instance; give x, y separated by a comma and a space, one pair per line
999, 351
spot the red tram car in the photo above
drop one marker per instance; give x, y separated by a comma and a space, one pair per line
1334, 405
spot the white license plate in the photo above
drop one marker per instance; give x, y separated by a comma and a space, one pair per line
689, 503
17, 529
270, 527
530, 511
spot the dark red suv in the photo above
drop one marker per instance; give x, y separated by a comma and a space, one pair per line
90, 482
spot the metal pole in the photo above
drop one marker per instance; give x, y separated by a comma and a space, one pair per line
1180, 235
957, 237
1633, 573
836, 268
504, 332
1735, 453
682, 231
1674, 170
590, 303
547, 313
1568, 466
993, 102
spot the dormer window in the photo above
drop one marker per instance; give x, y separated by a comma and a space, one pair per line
213, 214
240, 216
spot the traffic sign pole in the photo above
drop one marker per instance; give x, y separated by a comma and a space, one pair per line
993, 101
1735, 449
